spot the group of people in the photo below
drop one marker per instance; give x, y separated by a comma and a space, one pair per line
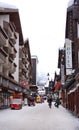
50, 99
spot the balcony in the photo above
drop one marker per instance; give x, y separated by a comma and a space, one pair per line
15, 51
11, 58
6, 47
12, 26
24, 70
7, 28
12, 53
9, 32
3, 56
2, 40
24, 60
13, 68
21, 53
22, 76
6, 65
21, 65
10, 48
13, 41
3, 33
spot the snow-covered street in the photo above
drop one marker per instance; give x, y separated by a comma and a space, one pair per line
39, 117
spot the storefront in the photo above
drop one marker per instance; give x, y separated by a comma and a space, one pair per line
4, 99
7, 88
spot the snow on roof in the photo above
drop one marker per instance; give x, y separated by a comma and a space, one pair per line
6, 5
70, 3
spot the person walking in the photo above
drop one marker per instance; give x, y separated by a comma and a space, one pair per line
49, 100
57, 102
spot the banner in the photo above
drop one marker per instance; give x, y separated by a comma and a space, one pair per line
68, 47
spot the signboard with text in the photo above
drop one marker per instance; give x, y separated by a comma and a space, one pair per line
68, 56
62, 74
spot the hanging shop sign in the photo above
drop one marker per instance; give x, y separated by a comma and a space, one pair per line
68, 45
62, 74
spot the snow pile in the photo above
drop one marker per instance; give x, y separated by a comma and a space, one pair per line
70, 3
5, 5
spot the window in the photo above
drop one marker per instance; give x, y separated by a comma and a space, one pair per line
77, 30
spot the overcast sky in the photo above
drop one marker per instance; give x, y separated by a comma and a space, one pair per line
43, 22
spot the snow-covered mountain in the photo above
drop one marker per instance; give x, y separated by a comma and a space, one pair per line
42, 78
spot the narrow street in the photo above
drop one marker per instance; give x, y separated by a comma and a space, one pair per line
39, 117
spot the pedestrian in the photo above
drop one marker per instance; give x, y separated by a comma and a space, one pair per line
57, 102
49, 100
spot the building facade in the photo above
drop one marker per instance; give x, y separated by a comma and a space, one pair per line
34, 61
25, 65
15, 60
70, 59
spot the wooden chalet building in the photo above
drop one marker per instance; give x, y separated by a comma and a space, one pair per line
69, 60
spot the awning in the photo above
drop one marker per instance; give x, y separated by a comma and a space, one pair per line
68, 83
73, 90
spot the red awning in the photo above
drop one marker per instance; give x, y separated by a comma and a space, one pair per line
57, 86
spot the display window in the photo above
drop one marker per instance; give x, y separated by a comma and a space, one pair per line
4, 100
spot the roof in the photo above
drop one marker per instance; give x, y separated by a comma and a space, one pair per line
71, 2
14, 17
5, 5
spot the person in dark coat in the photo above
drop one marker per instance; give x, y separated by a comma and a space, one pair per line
49, 100
57, 102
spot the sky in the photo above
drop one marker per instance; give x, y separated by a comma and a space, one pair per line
43, 23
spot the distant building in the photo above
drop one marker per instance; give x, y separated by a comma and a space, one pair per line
25, 66
34, 61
